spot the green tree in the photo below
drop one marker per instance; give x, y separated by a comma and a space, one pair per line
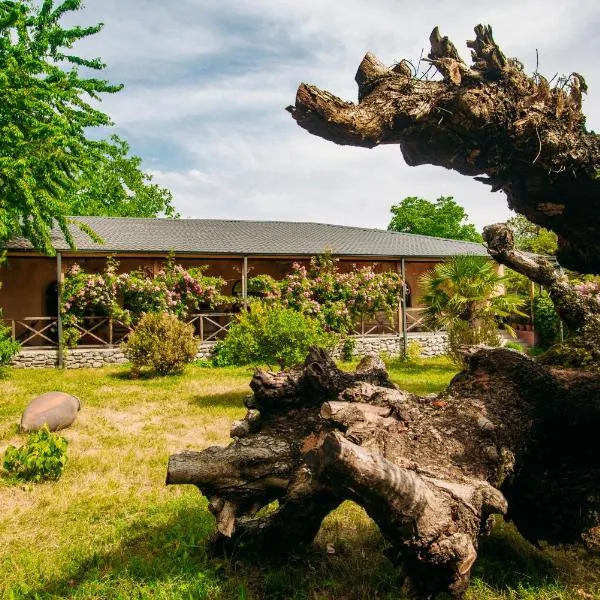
45, 119
117, 187
533, 238
443, 218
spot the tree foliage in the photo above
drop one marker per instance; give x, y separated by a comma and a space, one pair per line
443, 218
49, 165
533, 238
467, 288
467, 296
116, 186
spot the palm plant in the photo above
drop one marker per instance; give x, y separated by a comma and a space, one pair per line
467, 296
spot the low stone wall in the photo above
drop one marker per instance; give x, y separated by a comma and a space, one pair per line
83, 358
432, 344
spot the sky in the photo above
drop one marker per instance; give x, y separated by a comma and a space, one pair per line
207, 83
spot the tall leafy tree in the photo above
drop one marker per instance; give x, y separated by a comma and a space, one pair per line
533, 238
443, 218
46, 115
116, 186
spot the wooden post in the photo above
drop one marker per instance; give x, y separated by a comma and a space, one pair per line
59, 286
404, 327
245, 282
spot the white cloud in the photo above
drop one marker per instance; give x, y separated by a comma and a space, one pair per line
212, 77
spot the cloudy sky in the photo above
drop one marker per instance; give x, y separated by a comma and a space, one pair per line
207, 81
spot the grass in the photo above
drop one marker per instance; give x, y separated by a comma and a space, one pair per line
110, 528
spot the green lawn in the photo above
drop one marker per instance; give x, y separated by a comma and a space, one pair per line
110, 528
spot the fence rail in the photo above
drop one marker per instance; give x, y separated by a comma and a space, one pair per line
42, 332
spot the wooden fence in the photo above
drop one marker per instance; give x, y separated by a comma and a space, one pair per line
42, 332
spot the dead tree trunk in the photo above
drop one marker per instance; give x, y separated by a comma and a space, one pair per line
490, 120
430, 472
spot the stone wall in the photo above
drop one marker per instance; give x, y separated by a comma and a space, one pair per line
80, 358
432, 344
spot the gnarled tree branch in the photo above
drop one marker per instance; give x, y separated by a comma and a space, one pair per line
490, 120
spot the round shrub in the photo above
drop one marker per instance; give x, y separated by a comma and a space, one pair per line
462, 333
162, 343
271, 334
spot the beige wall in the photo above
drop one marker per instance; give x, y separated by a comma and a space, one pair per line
24, 284
414, 271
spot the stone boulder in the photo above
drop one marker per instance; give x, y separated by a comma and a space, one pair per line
57, 410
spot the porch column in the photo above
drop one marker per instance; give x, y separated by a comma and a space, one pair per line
404, 328
59, 285
245, 282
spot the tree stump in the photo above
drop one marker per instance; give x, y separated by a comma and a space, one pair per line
508, 437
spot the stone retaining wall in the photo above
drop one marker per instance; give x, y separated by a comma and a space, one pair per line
432, 344
80, 358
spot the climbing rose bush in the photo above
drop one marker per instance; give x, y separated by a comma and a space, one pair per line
338, 299
127, 296
590, 289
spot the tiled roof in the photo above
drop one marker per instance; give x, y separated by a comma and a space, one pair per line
211, 236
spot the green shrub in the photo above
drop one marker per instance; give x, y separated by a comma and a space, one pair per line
264, 286
8, 346
348, 348
581, 351
42, 457
270, 334
511, 345
462, 333
161, 342
546, 321
413, 351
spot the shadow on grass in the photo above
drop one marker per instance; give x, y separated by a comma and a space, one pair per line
224, 400
171, 560
145, 375
508, 561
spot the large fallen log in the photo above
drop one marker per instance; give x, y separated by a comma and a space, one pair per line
429, 471
491, 121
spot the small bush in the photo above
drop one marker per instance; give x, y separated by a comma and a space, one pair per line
348, 349
514, 346
547, 323
162, 343
462, 333
413, 351
8, 346
43, 457
270, 334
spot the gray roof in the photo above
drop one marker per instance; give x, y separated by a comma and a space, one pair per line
212, 236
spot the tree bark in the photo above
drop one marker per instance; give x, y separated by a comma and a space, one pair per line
579, 312
490, 121
429, 471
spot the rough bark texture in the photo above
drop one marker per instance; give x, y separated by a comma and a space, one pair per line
429, 471
577, 311
580, 313
514, 132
